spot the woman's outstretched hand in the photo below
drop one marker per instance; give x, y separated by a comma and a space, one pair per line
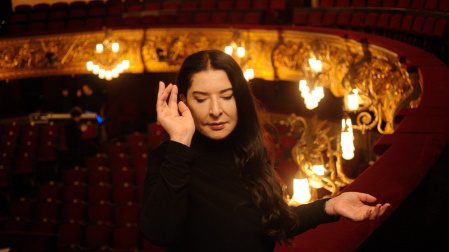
180, 127
351, 205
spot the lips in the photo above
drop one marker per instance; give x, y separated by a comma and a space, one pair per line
217, 126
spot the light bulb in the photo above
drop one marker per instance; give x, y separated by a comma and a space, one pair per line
120, 67
319, 170
115, 73
101, 73
115, 47
125, 64
352, 100
108, 75
315, 65
228, 50
89, 65
301, 192
240, 52
302, 85
95, 69
249, 74
99, 48
320, 92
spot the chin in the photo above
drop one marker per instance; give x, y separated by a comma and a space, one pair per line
216, 135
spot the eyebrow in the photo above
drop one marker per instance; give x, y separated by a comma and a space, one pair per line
205, 93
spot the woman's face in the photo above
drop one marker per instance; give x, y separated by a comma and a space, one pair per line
211, 101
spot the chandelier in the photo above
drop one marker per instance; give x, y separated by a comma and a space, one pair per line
237, 50
310, 88
373, 88
107, 60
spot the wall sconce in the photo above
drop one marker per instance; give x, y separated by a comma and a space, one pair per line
238, 52
319, 156
301, 192
347, 139
352, 100
311, 90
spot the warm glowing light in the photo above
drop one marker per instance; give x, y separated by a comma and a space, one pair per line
301, 192
318, 93
249, 74
240, 52
115, 73
311, 98
347, 139
99, 48
120, 67
101, 73
89, 65
115, 47
228, 50
95, 69
125, 64
315, 183
310, 101
108, 75
319, 170
316, 65
352, 100
303, 85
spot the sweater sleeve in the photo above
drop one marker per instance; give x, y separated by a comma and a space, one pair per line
164, 203
311, 215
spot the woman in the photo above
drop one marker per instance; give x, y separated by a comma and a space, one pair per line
211, 186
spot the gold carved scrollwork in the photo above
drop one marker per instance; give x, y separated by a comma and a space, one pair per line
347, 64
59, 54
165, 50
318, 144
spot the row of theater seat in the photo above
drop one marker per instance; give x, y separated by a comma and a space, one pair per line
94, 16
95, 8
117, 21
409, 28
430, 5
137, 9
75, 236
91, 208
89, 193
33, 150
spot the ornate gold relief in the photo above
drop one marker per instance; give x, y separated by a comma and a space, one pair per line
164, 50
60, 55
272, 54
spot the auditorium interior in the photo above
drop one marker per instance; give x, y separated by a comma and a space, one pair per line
354, 96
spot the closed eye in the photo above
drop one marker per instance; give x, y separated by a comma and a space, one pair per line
228, 97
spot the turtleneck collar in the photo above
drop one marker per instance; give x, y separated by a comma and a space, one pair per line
221, 150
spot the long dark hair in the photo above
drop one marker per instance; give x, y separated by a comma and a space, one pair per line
251, 153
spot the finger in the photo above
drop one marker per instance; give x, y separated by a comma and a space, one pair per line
367, 197
383, 209
375, 212
159, 93
164, 96
173, 102
185, 111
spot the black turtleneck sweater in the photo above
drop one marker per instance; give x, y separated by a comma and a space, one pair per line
195, 200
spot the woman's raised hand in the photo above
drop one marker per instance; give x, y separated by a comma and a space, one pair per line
180, 127
351, 205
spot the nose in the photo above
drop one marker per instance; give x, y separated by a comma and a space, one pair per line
215, 108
